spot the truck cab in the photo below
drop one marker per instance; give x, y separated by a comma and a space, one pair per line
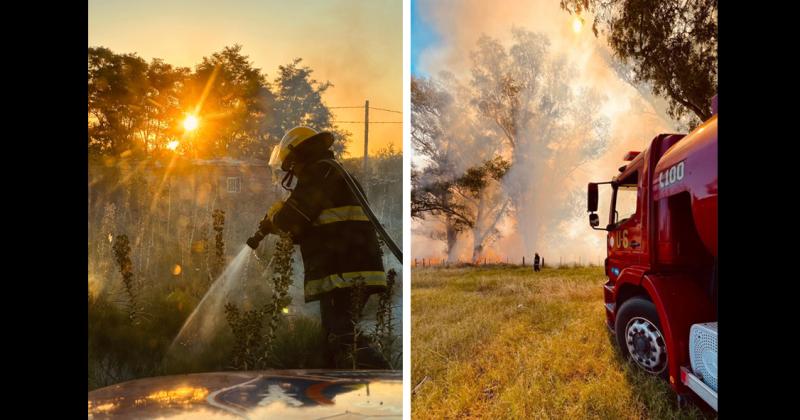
660, 296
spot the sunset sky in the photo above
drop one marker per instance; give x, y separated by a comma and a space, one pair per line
356, 45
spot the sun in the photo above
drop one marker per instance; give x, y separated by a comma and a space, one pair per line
577, 24
190, 123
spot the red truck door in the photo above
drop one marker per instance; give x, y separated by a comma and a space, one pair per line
625, 244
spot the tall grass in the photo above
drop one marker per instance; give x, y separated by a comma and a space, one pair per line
505, 342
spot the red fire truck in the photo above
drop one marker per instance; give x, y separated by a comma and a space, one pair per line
661, 293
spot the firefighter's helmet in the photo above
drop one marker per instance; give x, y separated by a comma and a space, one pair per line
296, 143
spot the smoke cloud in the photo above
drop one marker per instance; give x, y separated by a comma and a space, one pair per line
547, 187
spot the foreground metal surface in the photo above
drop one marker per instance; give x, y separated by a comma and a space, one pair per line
340, 394
701, 389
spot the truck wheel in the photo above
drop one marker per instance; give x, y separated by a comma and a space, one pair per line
639, 336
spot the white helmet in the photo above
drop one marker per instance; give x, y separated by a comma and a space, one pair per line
298, 141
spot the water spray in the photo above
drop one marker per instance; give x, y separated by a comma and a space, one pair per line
253, 242
202, 322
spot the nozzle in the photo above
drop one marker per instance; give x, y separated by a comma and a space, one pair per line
256, 239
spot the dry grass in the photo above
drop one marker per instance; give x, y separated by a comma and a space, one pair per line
510, 343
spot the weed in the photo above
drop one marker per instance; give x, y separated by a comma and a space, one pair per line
219, 242
122, 252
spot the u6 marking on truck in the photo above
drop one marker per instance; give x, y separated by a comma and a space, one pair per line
671, 175
617, 240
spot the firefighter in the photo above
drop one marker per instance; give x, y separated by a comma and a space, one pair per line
338, 243
536, 261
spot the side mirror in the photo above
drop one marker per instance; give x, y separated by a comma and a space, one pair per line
592, 198
594, 220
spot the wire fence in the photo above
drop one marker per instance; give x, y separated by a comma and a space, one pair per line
505, 261
371, 122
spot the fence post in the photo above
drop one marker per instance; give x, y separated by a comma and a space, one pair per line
523, 261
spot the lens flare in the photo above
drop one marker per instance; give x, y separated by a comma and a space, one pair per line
173, 145
577, 24
104, 408
179, 396
190, 123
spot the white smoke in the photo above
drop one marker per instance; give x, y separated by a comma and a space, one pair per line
549, 175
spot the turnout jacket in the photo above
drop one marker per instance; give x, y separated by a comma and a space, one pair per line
338, 242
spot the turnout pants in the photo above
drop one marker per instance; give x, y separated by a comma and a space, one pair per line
336, 308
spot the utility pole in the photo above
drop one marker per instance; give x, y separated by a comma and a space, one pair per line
366, 143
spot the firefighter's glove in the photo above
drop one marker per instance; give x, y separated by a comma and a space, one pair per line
274, 209
266, 226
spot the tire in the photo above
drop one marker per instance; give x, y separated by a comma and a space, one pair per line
640, 338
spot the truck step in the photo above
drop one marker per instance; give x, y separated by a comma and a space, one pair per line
610, 307
698, 387
608, 291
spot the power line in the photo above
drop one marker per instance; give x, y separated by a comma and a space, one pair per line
371, 122
387, 110
361, 107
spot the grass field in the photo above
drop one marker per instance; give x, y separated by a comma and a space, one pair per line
506, 342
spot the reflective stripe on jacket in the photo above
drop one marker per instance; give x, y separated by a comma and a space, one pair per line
341, 214
337, 240
315, 288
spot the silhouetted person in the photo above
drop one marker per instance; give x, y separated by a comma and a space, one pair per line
536, 260
338, 243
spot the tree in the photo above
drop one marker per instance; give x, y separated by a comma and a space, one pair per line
460, 180
137, 107
133, 105
483, 195
436, 198
298, 101
505, 82
233, 100
117, 93
469, 201
162, 108
525, 100
670, 44
435, 117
